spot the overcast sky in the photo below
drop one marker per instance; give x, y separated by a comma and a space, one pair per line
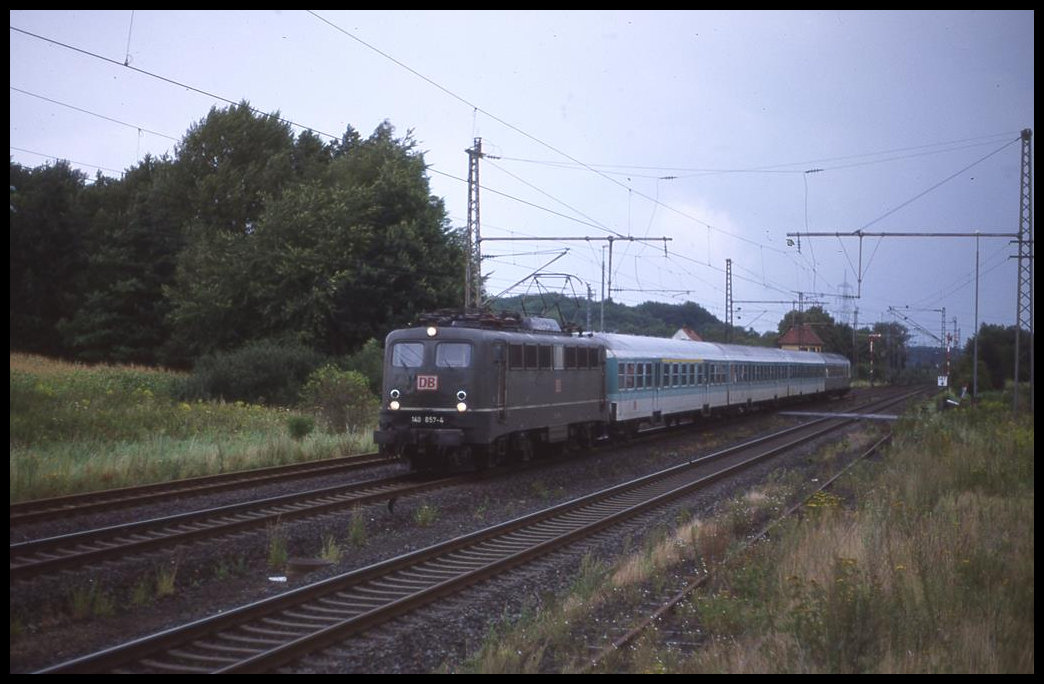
725, 132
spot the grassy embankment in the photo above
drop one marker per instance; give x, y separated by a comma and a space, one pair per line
77, 428
924, 566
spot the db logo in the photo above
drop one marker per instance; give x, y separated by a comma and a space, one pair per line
427, 382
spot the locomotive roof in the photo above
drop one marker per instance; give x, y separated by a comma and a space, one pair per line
475, 334
638, 347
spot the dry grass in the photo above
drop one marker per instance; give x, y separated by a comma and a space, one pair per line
931, 572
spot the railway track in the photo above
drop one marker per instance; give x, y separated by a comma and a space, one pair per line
29, 512
270, 635
31, 559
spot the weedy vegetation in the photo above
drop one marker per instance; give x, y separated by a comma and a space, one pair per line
77, 428
925, 565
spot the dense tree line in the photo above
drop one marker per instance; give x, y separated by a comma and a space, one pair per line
996, 354
247, 233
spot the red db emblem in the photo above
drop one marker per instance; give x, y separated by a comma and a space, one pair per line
427, 382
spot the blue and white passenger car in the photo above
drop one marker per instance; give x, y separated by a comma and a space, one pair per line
652, 380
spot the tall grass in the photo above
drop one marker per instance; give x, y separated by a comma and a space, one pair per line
77, 428
932, 572
927, 567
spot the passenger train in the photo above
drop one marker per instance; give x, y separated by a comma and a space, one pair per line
470, 390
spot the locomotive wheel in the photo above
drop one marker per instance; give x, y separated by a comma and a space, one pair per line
580, 438
486, 458
524, 447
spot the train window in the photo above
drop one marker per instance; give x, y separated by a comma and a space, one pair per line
408, 354
530, 353
544, 356
570, 357
515, 359
453, 355
629, 376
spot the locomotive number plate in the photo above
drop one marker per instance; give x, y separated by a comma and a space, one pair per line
427, 382
427, 420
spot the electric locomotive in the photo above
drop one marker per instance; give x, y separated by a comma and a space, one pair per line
471, 391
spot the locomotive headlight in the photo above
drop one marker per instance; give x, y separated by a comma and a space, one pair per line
393, 405
461, 395
394, 394
432, 331
462, 407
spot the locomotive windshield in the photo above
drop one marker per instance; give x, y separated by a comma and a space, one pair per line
447, 355
453, 355
408, 354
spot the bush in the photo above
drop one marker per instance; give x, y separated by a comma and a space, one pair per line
263, 372
369, 361
300, 426
341, 398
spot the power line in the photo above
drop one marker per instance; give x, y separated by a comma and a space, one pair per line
138, 128
169, 80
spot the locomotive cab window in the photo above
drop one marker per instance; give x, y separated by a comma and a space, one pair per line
407, 354
453, 355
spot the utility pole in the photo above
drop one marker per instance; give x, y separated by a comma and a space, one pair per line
473, 267
728, 300
855, 343
872, 336
1024, 305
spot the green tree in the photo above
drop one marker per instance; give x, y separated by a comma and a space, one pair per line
996, 357
131, 249
890, 342
330, 247
230, 165
377, 243
48, 263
